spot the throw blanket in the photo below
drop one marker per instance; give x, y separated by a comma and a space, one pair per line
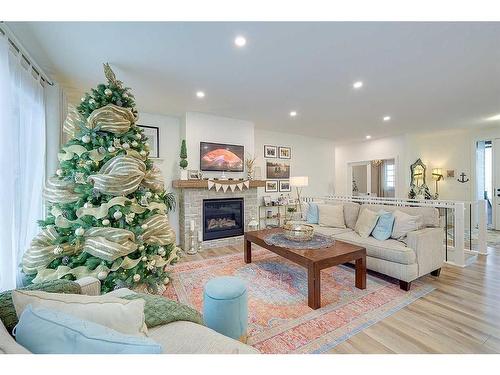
159, 310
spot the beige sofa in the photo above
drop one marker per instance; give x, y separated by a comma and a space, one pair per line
421, 253
179, 337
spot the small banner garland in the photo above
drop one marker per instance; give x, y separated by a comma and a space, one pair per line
231, 185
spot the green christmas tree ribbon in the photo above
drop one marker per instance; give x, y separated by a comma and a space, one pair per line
158, 230
42, 251
59, 191
102, 211
110, 118
123, 174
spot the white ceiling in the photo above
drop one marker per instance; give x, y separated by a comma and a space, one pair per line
424, 75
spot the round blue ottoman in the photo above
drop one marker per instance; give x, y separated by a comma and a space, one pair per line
225, 307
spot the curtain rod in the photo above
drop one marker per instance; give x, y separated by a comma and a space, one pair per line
4, 29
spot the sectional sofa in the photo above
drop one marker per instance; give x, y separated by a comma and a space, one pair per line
421, 252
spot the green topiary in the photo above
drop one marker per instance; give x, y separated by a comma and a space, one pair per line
183, 163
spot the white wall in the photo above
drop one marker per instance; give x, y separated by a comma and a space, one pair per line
200, 127
169, 147
447, 149
312, 157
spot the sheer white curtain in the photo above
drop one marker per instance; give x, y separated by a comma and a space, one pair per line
22, 155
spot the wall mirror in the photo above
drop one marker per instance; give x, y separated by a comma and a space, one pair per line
418, 185
376, 178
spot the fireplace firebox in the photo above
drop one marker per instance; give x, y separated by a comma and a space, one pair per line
222, 218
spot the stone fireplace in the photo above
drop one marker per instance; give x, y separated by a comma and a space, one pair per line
221, 218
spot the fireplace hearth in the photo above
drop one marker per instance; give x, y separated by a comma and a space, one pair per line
222, 218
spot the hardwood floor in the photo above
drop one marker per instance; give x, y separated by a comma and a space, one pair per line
461, 316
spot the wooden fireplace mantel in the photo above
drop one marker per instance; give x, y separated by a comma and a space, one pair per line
203, 184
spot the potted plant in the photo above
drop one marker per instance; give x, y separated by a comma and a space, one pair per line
183, 163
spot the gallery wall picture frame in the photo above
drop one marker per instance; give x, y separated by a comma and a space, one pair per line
284, 186
285, 152
271, 186
270, 151
153, 135
276, 170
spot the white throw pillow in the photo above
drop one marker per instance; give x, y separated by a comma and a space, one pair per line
331, 215
125, 316
367, 220
404, 223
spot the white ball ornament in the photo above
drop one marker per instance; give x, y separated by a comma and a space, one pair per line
105, 222
137, 277
58, 250
143, 153
59, 172
108, 92
111, 149
134, 144
146, 146
144, 226
138, 136
125, 146
144, 259
80, 231
82, 99
102, 275
148, 194
88, 205
125, 95
92, 101
117, 215
161, 251
86, 138
141, 247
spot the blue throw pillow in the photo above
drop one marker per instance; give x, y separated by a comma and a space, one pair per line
383, 228
313, 214
44, 331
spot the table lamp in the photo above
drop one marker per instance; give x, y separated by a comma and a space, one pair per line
299, 182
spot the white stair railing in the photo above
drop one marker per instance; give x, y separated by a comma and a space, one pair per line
455, 252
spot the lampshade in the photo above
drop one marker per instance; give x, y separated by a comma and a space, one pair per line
299, 181
437, 174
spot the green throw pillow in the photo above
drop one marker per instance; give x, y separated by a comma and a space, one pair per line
8, 312
159, 310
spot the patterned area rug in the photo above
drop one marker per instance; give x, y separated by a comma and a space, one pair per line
279, 319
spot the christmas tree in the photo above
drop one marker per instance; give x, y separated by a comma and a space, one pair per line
107, 203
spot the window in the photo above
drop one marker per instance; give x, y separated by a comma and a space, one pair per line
390, 177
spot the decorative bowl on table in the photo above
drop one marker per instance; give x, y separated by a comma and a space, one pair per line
298, 232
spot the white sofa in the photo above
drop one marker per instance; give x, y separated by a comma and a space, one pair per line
179, 337
422, 252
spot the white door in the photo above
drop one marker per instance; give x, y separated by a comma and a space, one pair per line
496, 183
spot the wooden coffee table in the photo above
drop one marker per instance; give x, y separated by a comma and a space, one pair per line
314, 260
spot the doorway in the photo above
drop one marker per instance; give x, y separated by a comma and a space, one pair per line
486, 179
376, 178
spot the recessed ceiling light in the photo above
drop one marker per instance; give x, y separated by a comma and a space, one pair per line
387, 118
240, 41
493, 118
357, 84
368, 137
200, 94
293, 113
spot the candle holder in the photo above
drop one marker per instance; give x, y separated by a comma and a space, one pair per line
191, 243
199, 241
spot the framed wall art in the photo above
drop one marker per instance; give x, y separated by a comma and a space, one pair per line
153, 138
270, 151
284, 152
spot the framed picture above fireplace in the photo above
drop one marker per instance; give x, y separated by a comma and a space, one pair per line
221, 157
